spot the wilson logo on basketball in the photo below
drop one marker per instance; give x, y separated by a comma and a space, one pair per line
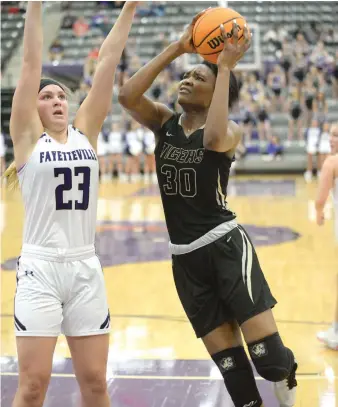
217, 41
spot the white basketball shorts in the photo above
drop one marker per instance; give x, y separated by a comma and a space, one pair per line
55, 296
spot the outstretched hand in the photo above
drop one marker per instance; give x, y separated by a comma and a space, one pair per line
233, 51
186, 41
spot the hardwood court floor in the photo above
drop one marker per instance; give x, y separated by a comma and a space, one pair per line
153, 349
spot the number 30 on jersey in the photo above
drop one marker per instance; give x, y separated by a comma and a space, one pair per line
182, 181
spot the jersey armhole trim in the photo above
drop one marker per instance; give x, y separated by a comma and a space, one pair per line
21, 168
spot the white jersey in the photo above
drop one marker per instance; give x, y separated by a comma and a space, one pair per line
134, 142
59, 186
149, 142
115, 142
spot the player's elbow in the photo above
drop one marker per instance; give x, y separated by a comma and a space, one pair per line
125, 97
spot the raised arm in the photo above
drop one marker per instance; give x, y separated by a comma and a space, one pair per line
94, 109
224, 137
131, 96
25, 124
325, 185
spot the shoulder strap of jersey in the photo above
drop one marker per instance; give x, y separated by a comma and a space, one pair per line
167, 125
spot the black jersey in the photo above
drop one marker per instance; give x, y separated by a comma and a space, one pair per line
193, 183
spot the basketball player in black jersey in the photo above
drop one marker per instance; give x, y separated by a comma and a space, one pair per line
216, 270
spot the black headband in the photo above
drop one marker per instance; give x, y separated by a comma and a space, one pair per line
46, 82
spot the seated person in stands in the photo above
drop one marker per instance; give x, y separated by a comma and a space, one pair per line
274, 150
80, 27
56, 51
68, 20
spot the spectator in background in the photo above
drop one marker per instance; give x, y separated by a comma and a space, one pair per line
111, 4
248, 121
115, 150
134, 64
313, 138
334, 77
91, 60
320, 108
151, 9
311, 32
286, 58
300, 45
276, 36
295, 117
299, 70
134, 146
253, 88
274, 150
309, 93
316, 77
263, 120
276, 82
101, 21
330, 36
68, 20
319, 56
83, 91
80, 27
123, 68
56, 51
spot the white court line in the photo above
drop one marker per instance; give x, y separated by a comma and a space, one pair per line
71, 375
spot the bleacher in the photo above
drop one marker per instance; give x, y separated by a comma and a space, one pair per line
6, 104
12, 25
290, 14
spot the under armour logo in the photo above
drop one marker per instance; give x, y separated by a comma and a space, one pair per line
169, 135
48, 140
259, 350
29, 273
227, 363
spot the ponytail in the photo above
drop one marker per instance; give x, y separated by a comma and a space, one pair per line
11, 175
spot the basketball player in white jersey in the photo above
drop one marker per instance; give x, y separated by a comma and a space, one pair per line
60, 285
329, 181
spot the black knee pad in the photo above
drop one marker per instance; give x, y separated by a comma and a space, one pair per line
238, 376
273, 361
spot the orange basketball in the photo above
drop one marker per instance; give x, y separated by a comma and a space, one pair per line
207, 36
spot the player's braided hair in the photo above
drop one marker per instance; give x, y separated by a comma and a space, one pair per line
233, 88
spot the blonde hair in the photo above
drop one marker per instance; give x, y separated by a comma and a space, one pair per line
11, 176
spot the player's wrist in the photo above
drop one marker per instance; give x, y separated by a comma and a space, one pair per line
178, 48
223, 68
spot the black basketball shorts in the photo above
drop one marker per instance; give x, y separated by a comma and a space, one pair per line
221, 282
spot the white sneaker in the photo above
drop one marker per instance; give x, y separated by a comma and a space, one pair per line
123, 178
308, 176
146, 179
154, 178
285, 390
329, 338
